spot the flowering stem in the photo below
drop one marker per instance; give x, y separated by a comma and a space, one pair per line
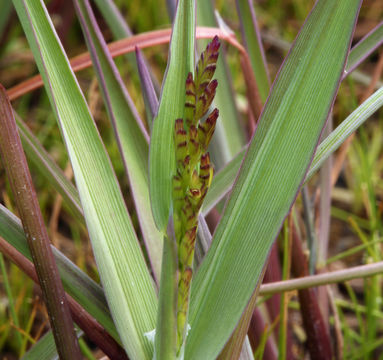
193, 174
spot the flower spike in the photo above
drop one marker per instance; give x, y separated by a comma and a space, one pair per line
194, 171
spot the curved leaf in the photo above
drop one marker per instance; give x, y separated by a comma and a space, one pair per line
251, 36
280, 153
130, 133
161, 155
127, 283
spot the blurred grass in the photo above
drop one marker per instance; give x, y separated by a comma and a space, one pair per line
358, 196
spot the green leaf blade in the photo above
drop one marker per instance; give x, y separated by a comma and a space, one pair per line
49, 169
130, 134
222, 182
126, 279
364, 48
45, 348
280, 152
224, 179
171, 107
348, 126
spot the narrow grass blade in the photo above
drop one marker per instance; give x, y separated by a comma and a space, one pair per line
49, 169
229, 137
308, 218
45, 348
166, 329
280, 153
171, 6
124, 46
158, 37
345, 129
118, 255
76, 283
224, 179
284, 300
131, 136
364, 48
252, 39
204, 240
161, 158
357, 55
120, 30
324, 212
10, 300
114, 18
222, 182
148, 92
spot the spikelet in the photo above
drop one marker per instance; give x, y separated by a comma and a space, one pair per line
194, 171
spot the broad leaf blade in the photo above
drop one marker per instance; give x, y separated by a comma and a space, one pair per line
126, 280
271, 175
161, 158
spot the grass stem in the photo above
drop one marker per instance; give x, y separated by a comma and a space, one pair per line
26, 200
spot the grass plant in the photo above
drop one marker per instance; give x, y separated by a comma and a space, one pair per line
178, 225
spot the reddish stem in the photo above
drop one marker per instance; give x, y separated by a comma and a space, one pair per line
318, 338
20, 180
124, 46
